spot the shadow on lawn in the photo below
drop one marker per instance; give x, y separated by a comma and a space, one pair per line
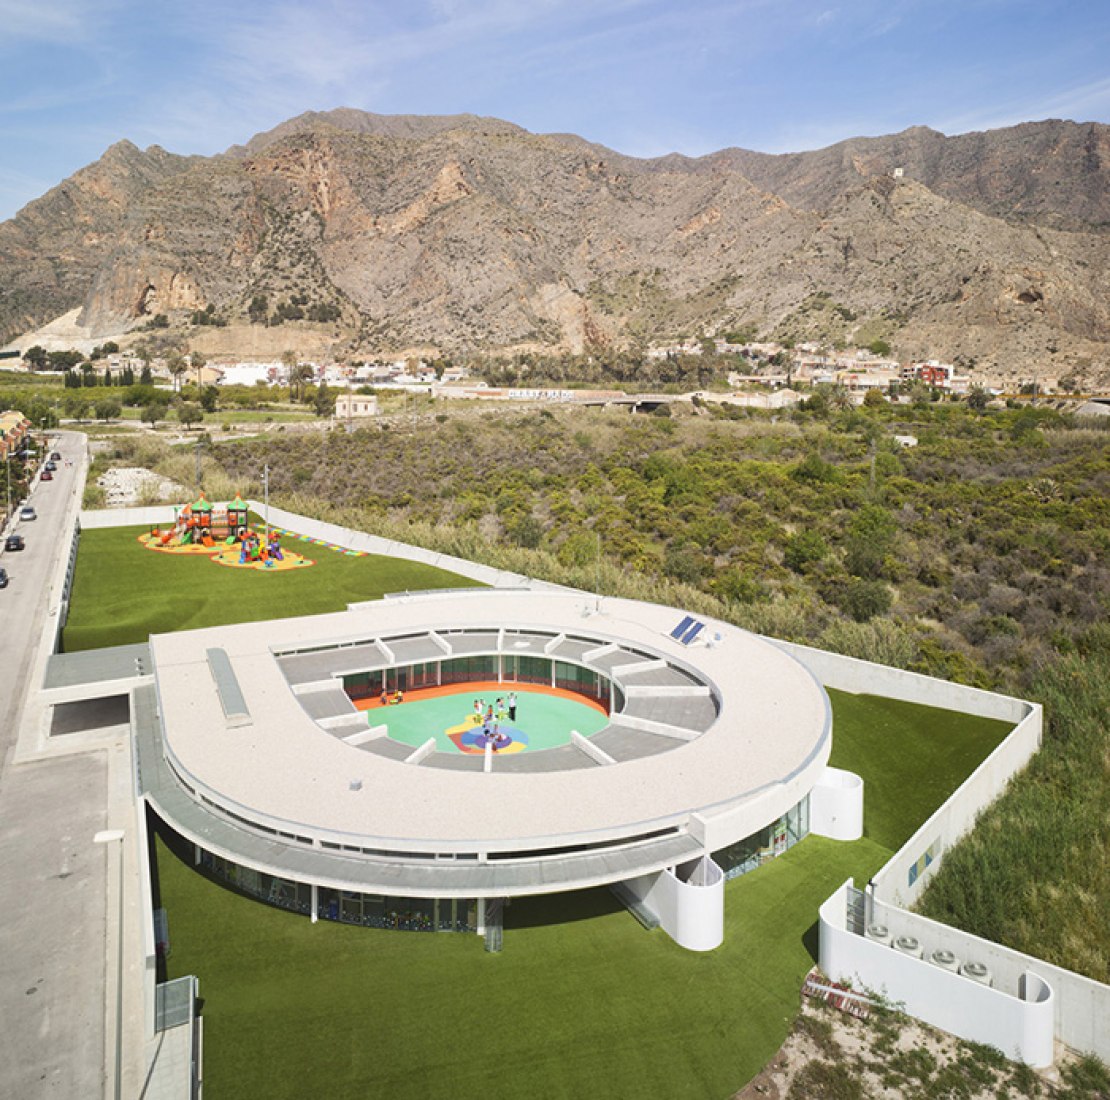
811, 941
554, 909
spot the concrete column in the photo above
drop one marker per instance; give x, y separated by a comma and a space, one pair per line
315, 903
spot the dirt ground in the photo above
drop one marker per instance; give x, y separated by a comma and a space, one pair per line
888, 1056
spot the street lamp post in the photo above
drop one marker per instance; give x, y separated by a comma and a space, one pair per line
266, 500
109, 836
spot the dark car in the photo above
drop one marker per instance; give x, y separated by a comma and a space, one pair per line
3, 578
46, 476
14, 542
51, 466
55, 457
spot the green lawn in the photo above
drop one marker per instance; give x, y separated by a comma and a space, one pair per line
582, 1001
123, 592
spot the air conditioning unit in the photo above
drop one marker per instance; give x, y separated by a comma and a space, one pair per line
877, 932
977, 972
944, 958
908, 945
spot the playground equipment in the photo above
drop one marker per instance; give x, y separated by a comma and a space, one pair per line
223, 533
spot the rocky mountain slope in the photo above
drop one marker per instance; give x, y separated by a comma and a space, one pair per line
461, 233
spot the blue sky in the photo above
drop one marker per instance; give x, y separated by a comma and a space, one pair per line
644, 77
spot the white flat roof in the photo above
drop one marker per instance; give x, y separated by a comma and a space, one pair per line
769, 743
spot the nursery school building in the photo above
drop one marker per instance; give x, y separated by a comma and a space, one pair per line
626, 756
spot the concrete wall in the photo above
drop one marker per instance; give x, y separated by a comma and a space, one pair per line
1081, 1006
903, 878
689, 902
836, 805
146, 919
921, 855
1017, 1018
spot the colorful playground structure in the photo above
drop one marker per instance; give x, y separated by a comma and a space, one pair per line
223, 533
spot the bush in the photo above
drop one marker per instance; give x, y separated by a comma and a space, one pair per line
863, 599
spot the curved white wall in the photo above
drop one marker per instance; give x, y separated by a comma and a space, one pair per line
836, 805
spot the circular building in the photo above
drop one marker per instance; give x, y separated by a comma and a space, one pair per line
370, 766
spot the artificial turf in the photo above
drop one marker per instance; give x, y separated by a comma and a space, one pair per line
582, 1001
124, 592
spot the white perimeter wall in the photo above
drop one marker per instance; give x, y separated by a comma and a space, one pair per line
1082, 1006
1016, 1015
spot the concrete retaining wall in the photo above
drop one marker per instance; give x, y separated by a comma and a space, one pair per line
1015, 1016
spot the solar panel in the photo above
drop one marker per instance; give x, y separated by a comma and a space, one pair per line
682, 627
692, 633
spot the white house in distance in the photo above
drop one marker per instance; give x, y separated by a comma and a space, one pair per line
352, 406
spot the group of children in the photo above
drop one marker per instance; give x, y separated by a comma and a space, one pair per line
397, 697
490, 717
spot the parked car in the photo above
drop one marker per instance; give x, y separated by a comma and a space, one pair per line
14, 542
27, 512
51, 465
46, 476
3, 578
55, 457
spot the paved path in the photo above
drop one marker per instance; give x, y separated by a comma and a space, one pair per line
54, 932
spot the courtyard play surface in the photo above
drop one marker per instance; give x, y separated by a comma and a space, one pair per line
545, 717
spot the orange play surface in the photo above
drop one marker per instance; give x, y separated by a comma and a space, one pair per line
489, 689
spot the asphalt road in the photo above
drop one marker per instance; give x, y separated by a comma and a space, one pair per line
53, 918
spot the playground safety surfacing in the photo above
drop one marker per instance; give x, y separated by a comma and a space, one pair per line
225, 553
545, 717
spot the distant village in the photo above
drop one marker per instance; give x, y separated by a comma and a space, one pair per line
768, 375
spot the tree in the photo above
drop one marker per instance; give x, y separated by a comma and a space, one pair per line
189, 413
177, 366
324, 401
210, 398
63, 360
76, 405
145, 377
35, 357
153, 412
870, 539
108, 409
107, 376
258, 310
978, 399
879, 347
873, 399
863, 600
197, 361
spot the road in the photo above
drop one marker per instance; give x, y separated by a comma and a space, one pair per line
52, 800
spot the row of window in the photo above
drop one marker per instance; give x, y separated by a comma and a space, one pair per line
347, 907
507, 668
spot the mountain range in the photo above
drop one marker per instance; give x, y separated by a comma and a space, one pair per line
363, 234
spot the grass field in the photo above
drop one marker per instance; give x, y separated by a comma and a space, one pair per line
123, 592
582, 1001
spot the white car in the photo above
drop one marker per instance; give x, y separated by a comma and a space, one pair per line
27, 512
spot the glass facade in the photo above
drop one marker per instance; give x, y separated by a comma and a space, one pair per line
368, 910
515, 668
753, 851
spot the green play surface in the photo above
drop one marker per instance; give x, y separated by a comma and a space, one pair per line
542, 721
